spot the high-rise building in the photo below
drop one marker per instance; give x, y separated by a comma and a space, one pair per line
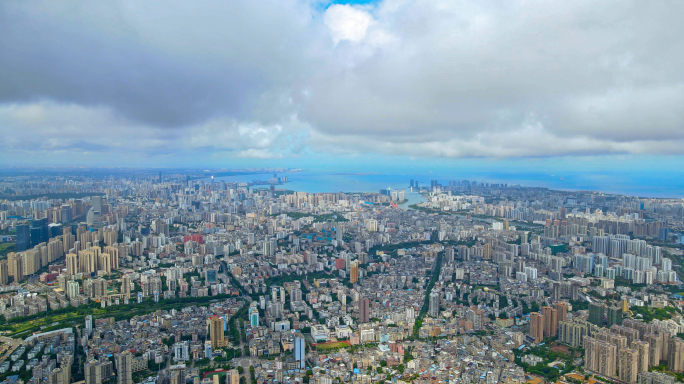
596, 313
23, 237
573, 332
550, 321
675, 355
364, 310
616, 339
177, 375
433, 309
124, 367
126, 286
99, 288
300, 350
233, 377
614, 316
656, 378
655, 347
207, 350
562, 309
68, 240
643, 350
601, 244
55, 250
181, 351
97, 203
218, 340
87, 261
475, 316
89, 324
487, 251
537, 326
42, 234
600, 356
628, 360
15, 266
311, 259
449, 255
65, 211
61, 375
253, 317
92, 374
354, 271
73, 289
4, 272
98, 371
268, 247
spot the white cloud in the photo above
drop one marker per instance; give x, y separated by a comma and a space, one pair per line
50, 126
347, 23
258, 154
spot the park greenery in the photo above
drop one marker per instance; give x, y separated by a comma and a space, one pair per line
426, 301
650, 313
72, 316
549, 356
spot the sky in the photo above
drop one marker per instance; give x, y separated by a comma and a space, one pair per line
342, 84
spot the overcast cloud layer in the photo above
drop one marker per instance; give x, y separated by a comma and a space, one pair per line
285, 78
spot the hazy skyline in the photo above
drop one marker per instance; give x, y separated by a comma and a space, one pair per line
291, 83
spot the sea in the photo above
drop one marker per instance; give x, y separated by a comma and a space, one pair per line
652, 183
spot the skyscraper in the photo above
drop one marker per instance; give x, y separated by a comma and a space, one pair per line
4, 272
15, 266
253, 317
60, 375
216, 332
71, 264
233, 377
23, 237
177, 375
596, 313
73, 289
124, 368
92, 374
562, 309
126, 286
89, 325
354, 271
550, 321
207, 349
41, 230
97, 204
537, 326
364, 310
643, 350
434, 305
656, 378
675, 355
628, 360
573, 332
299, 350
600, 356
614, 316
65, 213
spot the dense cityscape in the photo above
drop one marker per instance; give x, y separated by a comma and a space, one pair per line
167, 278
341, 191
